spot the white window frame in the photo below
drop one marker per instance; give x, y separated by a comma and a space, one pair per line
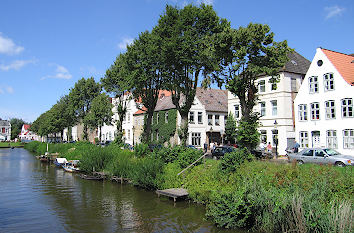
304, 139
237, 111
200, 118
330, 107
262, 106
217, 119
313, 84
302, 112
315, 111
191, 118
263, 135
196, 139
261, 86
274, 104
332, 141
328, 82
347, 107
210, 119
348, 139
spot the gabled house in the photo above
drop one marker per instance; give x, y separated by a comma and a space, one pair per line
27, 135
276, 103
5, 130
324, 104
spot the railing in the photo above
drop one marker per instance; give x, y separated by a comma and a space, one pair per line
190, 165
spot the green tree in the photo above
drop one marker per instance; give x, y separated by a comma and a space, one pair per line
248, 53
63, 115
100, 113
80, 98
117, 82
230, 129
188, 53
16, 126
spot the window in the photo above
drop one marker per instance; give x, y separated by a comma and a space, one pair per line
166, 117
263, 108
319, 153
273, 86
303, 112
157, 135
128, 134
274, 107
157, 117
328, 82
237, 111
293, 85
330, 109
196, 139
308, 153
304, 139
313, 84
332, 139
191, 117
217, 119
128, 116
348, 139
315, 111
264, 136
200, 118
110, 135
347, 107
275, 136
210, 119
3, 130
261, 86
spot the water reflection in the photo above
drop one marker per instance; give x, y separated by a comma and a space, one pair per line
39, 198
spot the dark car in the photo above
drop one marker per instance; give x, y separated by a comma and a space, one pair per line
153, 147
219, 151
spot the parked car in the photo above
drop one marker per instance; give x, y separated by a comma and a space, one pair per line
153, 147
192, 147
321, 156
220, 151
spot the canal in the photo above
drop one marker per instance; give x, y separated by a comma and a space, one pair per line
37, 197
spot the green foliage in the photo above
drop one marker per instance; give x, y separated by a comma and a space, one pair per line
141, 150
230, 162
16, 126
247, 133
170, 178
165, 129
230, 129
122, 163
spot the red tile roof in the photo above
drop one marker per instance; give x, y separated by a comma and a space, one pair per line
344, 64
26, 126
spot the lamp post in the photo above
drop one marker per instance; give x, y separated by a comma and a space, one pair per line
276, 138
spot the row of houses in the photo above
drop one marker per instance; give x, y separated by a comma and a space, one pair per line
312, 104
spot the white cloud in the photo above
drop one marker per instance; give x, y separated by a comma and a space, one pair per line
16, 65
60, 73
6, 89
333, 11
7, 46
125, 42
206, 2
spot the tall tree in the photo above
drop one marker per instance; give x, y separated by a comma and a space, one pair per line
80, 98
147, 74
116, 81
230, 129
188, 52
64, 115
16, 126
250, 52
100, 113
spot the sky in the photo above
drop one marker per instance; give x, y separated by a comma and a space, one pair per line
47, 46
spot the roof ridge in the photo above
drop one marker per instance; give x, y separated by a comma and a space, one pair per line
336, 52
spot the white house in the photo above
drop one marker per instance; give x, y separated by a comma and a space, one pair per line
324, 104
27, 135
5, 130
276, 103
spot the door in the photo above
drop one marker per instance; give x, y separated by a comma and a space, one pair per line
316, 139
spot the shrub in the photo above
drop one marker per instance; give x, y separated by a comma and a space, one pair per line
230, 162
170, 178
122, 164
141, 150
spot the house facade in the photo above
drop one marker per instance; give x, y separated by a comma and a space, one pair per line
27, 135
276, 103
5, 130
324, 104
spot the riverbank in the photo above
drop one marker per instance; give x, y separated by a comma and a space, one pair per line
255, 195
11, 144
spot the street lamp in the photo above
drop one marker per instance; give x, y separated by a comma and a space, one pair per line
276, 138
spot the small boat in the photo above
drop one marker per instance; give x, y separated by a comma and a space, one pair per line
44, 159
88, 177
71, 166
59, 162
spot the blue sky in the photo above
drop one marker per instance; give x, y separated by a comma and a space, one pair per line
46, 46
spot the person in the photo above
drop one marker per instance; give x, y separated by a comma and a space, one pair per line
211, 146
205, 147
262, 146
296, 147
269, 148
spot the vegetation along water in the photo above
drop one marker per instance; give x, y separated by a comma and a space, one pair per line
238, 192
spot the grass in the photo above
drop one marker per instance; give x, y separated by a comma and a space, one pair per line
12, 144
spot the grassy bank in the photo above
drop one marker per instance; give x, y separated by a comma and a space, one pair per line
10, 144
256, 195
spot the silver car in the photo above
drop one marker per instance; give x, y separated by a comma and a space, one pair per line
322, 156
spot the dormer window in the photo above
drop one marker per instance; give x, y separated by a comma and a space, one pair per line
313, 84
261, 86
328, 82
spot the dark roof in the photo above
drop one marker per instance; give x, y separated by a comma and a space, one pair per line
214, 100
296, 64
4, 123
164, 103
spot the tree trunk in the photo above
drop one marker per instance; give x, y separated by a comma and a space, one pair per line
183, 131
147, 128
85, 132
100, 136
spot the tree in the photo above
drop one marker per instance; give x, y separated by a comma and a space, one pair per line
100, 113
147, 74
80, 98
230, 129
116, 81
64, 115
188, 52
248, 53
16, 126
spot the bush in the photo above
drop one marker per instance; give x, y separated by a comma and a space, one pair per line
230, 162
141, 150
122, 164
170, 178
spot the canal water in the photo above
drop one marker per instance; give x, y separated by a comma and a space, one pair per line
37, 197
